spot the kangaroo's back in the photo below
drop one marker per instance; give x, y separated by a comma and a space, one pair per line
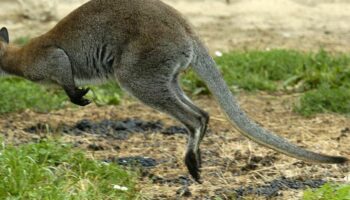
96, 34
128, 18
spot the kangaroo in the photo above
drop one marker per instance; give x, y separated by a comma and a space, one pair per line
143, 45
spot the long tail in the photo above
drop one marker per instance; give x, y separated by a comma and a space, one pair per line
205, 67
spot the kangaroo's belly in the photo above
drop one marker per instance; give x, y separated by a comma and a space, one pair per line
92, 81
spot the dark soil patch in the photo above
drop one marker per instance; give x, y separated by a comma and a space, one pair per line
112, 129
135, 161
273, 188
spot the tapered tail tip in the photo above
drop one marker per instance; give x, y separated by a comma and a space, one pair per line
340, 160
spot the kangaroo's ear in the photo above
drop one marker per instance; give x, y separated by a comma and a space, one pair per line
4, 34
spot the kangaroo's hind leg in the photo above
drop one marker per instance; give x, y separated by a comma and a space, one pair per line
201, 114
157, 90
193, 154
184, 98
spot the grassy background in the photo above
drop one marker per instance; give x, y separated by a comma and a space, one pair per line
18, 94
56, 171
322, 78
328, 192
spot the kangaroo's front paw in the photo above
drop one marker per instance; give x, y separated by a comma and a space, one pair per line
76, 95
81, 102
82, 92
193, 163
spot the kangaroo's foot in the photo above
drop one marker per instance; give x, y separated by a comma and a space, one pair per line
76, 95
193, 163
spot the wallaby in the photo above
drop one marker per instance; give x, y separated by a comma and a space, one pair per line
143, 45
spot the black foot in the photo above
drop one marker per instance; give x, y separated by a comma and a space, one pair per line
76, 95
82, 92
81, 102
193, 163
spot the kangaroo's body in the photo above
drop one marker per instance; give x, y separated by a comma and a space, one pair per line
144, 45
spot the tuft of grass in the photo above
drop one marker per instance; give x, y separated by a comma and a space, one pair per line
53, 170
328, 192
106, 94
323, 100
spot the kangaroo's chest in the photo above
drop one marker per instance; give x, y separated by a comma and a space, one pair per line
95, 64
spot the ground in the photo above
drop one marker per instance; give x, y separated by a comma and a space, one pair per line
230, 161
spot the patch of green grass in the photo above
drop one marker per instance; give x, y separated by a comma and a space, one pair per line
53, 170
328, 192
19, 94
278, 69
289, 71
106, 94
324, 99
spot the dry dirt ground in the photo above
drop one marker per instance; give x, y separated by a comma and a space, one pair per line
230, 161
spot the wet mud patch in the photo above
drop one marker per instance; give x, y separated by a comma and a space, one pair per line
272, 189
111, 129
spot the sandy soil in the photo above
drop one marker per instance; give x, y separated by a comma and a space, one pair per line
249, 24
